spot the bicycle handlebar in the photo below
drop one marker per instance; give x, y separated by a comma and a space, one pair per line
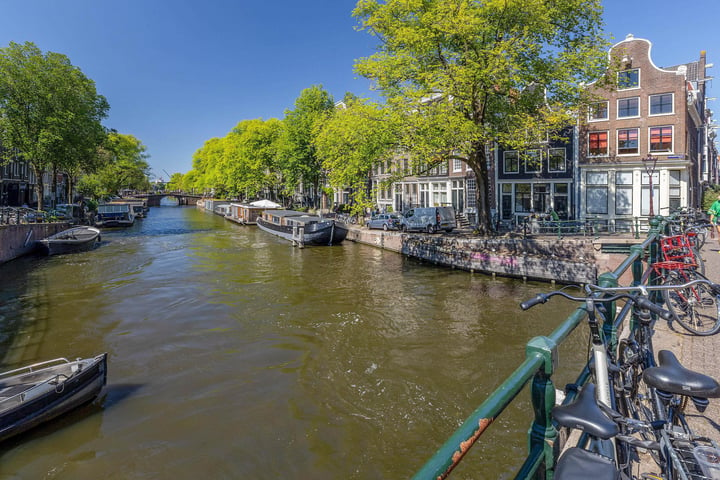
641, 301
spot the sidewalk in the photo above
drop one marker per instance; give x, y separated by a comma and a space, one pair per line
701, 354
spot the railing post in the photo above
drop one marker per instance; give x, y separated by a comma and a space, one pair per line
606, 280
637, 267
542, 433
654, 256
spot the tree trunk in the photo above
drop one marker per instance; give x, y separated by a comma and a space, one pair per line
482, 193
38, 186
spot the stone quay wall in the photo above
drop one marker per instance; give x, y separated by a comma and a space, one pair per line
19, 240
549, 259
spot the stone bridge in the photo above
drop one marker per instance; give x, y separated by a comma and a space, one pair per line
153, 199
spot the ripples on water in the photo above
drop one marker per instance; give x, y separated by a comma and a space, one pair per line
234, 354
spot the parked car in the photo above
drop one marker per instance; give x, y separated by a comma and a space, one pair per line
386, 221
431, 220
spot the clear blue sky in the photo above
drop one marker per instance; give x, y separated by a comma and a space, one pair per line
177, 73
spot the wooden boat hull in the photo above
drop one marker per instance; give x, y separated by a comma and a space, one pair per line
53, 394
328, 232
77, 239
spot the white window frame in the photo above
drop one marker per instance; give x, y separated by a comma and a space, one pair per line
617, 142
517, 162
607, 148
672, 104
564, 156
599, 119
634, 87
661, 152
537, 160
617, 112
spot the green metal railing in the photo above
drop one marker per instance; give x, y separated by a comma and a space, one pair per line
540, 363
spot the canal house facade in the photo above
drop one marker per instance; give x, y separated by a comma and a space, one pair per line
651, 127
645, 145
536, 180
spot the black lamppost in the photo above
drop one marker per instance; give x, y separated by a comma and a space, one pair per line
650, 162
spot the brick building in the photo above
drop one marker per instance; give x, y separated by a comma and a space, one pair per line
651, 131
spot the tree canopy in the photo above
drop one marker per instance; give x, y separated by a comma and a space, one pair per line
50, 112
462, 73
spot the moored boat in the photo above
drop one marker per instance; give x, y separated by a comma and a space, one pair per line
76, 239
248, 213
115, 215
302, 228
37, 393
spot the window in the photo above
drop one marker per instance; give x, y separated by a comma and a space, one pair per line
661, 104
628, 107
598, 111
533, 161
675, 191
560, 200
457, 165
511, 163
506, 212
541, 197
596, 193
522, 197
598, 143
628, 79
645, 202
556, 160
661, 139
623, 193
627, 141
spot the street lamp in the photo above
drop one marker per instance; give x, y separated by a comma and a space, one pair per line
650, 162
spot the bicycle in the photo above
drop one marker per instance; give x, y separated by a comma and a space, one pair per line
696, 307
671, 387
600, 452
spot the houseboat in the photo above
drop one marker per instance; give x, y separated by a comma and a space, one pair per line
114, 215
301, 228
247, 214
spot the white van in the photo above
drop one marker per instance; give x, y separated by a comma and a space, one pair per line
430, 220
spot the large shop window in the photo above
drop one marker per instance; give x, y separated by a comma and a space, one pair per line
596, 193
661, 139
623, 193
598, 143
627, 141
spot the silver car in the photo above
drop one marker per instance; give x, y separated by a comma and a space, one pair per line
386, 221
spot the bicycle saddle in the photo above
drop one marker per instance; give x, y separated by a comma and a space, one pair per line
670, 376
585, 414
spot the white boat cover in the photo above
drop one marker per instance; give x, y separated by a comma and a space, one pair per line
264, 204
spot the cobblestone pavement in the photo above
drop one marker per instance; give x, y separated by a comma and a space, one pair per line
701, 354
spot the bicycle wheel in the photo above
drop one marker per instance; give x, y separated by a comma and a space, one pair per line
634, 398
695, 307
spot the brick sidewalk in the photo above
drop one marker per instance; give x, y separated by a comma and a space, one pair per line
701, 354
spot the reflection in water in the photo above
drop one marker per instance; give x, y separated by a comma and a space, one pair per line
233, 354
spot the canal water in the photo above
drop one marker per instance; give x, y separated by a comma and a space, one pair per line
233, 354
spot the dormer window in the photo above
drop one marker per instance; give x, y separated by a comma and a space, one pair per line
628, 79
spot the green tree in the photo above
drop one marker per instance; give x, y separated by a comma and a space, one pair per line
300, 163
464, 74
251, 156
175, 183
50, 112
353, 141
125, 165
